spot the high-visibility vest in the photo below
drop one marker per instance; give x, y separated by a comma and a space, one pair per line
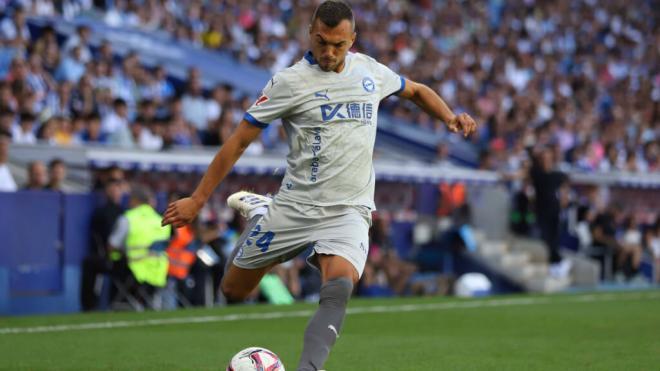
144, 230
452, 196
181, 259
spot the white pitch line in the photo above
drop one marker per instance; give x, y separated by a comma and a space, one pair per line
306, 313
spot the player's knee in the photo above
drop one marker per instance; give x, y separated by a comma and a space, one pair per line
232, 292
336, 292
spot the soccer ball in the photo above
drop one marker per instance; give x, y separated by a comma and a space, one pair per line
255, 359
472, 285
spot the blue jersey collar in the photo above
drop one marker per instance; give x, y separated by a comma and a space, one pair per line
310, 58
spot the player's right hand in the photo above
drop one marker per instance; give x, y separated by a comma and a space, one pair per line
181, 212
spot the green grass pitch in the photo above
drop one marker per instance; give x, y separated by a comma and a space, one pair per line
602, 331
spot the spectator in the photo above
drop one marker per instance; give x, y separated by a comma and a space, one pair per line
57, 175
83, 99
547, 183
7, 183
630, 255
59, 102
117, 120
603, 232
164, 88
386, 271
14, 30
63, 134
72, 67
6, 120
37, 176
143, 135
46, 132
80, 39
23, 133
98, 259
39, 81
442, 155
92, 134
195, 107
652, 243
113, 172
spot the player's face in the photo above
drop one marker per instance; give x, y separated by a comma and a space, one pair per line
330, 44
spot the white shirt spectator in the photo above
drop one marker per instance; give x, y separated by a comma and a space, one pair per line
9, 31
70, 69
113, 122
7, 183
213, 110
43, 7
85, 52
22, 137
195, 111
149, 140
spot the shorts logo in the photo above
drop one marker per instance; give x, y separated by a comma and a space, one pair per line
368, 85
261, 99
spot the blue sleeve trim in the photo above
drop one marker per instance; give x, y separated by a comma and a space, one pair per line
403, 85
249, 118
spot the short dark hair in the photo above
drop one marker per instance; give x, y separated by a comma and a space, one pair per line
141, 193
332, 12
6, 112
118, 102
27, 117
55, 162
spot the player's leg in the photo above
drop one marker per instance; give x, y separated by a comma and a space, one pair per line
238, 283
338, 279
340, 257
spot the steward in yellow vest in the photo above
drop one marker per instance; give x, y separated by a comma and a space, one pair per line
136, 232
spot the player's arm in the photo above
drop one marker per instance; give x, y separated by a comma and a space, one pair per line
183, 211
426, 99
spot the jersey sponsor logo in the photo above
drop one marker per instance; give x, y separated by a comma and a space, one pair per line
368, 84
316, 160
361, 111
263, 98
322, 94
328, 111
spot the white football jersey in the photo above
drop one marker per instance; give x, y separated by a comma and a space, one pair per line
330, 120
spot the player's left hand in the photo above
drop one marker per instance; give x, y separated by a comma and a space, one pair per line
462, 122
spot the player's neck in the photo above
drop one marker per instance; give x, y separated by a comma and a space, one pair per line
341, 66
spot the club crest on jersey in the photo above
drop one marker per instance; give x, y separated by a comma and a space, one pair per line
263, 98
368, 84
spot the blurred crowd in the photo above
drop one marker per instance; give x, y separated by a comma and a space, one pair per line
64, 93
579, 76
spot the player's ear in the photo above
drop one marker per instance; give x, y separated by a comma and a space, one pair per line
353, 37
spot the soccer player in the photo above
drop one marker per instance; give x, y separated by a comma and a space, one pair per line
328, 103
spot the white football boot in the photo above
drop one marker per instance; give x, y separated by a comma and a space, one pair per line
249, 204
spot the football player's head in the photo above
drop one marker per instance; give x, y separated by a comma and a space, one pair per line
332, 34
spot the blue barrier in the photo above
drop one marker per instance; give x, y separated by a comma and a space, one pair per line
46, 235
